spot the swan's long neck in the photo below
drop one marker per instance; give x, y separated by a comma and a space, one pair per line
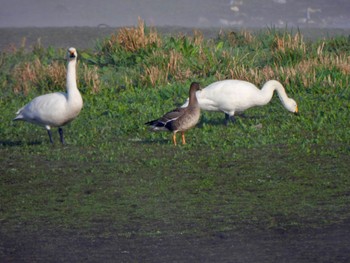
268, 89
73, 93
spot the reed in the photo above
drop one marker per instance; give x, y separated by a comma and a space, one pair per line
37, 76
134, 38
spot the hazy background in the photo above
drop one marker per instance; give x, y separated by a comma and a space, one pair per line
79, 23
188, 13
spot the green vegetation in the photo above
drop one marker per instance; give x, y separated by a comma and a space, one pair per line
270, 170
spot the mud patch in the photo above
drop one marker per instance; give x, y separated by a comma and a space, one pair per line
327, 244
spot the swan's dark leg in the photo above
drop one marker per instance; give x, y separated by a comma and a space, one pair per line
60, 131
228, 117
50, 136
243, 115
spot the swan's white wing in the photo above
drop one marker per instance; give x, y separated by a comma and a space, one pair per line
48, 109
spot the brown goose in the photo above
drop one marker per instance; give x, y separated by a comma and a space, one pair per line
179, 119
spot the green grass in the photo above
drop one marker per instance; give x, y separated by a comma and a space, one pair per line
270, 170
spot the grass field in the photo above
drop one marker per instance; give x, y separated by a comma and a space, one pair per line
271, 170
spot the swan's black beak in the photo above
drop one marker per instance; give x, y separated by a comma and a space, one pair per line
71, 54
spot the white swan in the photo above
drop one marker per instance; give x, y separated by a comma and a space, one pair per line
231, 96
56, 109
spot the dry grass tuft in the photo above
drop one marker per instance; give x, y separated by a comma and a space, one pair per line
198, 38
170, 66
254, 75
153, 75
247, 36
91, 78
289, 42
56, 73
174, 64
135, 38
238, 38
29, 75
341, 62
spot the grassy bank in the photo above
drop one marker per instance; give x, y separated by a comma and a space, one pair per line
269, 170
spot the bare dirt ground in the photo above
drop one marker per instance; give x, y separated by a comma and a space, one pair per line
327, 244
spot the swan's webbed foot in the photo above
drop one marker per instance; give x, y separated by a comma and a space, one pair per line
60, 131
229, 118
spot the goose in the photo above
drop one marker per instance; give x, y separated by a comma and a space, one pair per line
55, 109
179, 119
231, 96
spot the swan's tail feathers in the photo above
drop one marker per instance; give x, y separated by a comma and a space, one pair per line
19, 115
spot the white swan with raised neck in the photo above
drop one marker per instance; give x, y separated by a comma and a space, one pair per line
56, 109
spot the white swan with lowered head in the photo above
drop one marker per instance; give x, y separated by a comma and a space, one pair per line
56, 109
232, 96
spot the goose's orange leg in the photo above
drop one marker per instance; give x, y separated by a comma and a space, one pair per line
174, 139
183, 138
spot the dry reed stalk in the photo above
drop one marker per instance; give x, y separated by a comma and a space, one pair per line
169, 66
254, 75
239, 73
242, 37
133, 39
341, 62
91, 78
287, 41
198, 38
248, 37
174, 65
25, 75
153, 75
320, 49
111, 43
35, 74
56, 72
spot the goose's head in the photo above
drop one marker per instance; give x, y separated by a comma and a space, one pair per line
292, 106
194, 87
72, 53
192, 94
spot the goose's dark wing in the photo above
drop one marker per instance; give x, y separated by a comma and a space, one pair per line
167, 119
